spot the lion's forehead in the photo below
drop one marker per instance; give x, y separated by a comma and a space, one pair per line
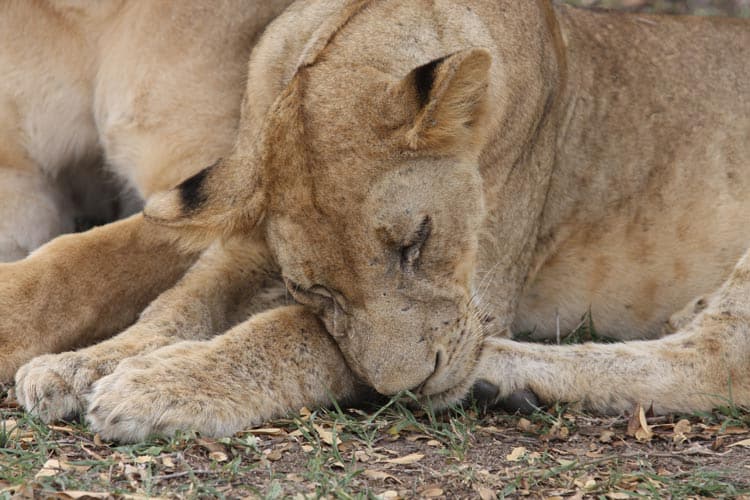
347, 90
395, 36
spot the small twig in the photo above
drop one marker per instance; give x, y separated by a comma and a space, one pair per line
557, 325
184, 473
92, 453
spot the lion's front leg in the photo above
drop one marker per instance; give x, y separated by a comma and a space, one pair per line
202, 304
273, 363
705, 364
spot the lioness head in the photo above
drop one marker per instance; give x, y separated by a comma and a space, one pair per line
362, 176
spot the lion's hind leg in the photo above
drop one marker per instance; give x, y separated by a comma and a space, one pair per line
199, 306
81, 288
705, 364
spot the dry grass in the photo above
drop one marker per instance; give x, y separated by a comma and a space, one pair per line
394, 452
391, 452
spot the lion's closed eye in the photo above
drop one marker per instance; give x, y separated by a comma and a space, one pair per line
411, 252
317, 296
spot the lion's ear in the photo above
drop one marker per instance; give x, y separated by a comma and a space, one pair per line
451, 97
221, 200
230, 196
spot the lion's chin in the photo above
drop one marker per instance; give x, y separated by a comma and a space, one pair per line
453, 396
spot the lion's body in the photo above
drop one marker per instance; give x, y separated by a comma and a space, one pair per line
425, 177
96, 98
652, 173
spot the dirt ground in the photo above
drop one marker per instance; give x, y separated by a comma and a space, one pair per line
393, 453
396, 452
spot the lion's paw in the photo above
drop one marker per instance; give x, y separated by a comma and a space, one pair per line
487, 396
150, 395
53, 386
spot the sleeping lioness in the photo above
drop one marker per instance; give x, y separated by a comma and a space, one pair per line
424, 178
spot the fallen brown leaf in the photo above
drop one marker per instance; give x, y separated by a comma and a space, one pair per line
638, 426
745, 443
606, 436
681, 429
405, 460
379, 475
82, 494
327, 436
431, 492
267, 431
486, 493
516, 455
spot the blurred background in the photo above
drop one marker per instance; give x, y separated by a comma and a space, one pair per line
703, 7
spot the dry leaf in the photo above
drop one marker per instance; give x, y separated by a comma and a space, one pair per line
650, 413
557, 432
267, 431
406, 460
131, 471
681, 428
745, 443
50, 468
390, 494
219, 456
606, 436
486, 493
491, 429
717, 429
327, 436
516, 455
167, 462
216, 450
379, 475
638, 426
432, 492
618, 495
65, 429
53, 467
524, 425
587, 483
136, 496
83, 494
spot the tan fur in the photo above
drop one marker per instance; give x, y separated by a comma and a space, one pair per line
89, 86
426, 177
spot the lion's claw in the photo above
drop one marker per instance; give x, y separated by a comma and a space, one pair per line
152, 395
487, 395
